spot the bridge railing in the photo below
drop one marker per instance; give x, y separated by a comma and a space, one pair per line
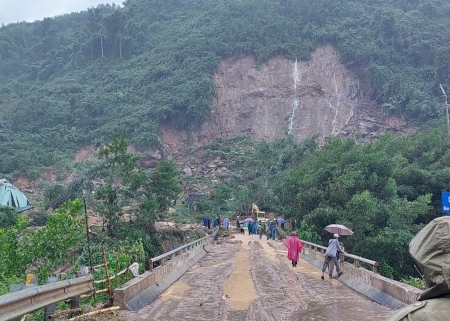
16, 304
356, 259
163, 258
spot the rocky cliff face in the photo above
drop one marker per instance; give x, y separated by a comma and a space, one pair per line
320, 96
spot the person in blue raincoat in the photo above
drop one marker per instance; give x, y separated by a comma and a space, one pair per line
254, 227
272, 231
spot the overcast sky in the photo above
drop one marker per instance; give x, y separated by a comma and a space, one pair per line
31, 10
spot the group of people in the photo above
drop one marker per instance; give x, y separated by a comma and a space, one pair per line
295, 246
216, 222
430, 249
258, 228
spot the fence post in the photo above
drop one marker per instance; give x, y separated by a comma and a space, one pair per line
108, 281
375, 267
15, 288
31, 280
51, 308
74, 303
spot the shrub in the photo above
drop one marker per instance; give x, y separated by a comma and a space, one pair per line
38, 218
8, 216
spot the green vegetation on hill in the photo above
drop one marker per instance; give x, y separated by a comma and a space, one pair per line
76, 79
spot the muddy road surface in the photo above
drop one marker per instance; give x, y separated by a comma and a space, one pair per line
244, 278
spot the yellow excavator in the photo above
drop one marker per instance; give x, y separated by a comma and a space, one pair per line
257, 215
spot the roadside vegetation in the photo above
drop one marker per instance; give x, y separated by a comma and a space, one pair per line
54, 242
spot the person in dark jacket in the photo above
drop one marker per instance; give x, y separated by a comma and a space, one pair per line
272, 231
241, 227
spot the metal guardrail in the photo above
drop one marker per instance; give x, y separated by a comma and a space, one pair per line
356, 259
16, 304
163, 258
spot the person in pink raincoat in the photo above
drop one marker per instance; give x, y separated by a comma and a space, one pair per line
294, 246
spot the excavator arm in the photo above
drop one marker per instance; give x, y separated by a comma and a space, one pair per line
258, 215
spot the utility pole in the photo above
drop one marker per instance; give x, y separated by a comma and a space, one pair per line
446, 109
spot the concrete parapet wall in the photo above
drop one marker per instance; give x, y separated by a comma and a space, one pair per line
145, 288
376, 287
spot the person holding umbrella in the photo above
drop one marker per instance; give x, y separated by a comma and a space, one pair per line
330, 255
282, 221
338, 259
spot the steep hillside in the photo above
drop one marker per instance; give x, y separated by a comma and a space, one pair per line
320, 96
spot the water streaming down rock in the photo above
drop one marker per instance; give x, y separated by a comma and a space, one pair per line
295, 102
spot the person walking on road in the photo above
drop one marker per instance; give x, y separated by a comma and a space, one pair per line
260, 231
272, 231
226, 223
338, 259
241, 227
330, 255
294, 246
430, 249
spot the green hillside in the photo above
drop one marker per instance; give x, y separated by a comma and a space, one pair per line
76, 79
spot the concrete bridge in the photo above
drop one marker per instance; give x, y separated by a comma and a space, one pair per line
244, 278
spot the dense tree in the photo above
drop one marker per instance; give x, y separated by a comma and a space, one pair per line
125, 183
123, 179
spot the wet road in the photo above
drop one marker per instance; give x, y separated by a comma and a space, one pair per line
244, 278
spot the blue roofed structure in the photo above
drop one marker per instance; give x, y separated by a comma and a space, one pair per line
13, 197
